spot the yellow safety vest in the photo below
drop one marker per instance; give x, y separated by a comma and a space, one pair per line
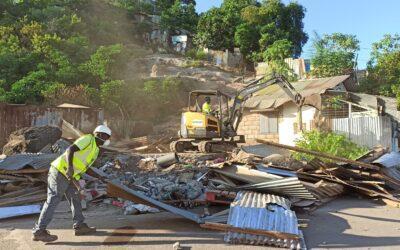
82, 159
206, 108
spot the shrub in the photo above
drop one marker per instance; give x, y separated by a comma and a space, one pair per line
196, 54
330, 143
194, 64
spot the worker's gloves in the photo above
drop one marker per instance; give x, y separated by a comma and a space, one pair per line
70, 173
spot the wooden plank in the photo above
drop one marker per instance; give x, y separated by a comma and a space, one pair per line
226, 228
320, 154
14, 178
23, 200
360, 189
21, 192
391, 203
25, 171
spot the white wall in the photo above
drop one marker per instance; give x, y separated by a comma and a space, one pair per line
288, 120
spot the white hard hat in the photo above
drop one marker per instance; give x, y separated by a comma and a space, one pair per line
102, 129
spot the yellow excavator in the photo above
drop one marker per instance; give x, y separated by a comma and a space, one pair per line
216, 131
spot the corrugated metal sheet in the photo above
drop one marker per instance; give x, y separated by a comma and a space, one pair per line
290, 187
13, 117
275, 171
391, 162
366, 130
20, 161
253, 210
274, 96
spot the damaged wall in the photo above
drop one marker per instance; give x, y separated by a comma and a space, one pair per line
278, 126
13, 117
255, 126
225, 58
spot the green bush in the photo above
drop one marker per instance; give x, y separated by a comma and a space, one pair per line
195, 54
330, 143
195, 64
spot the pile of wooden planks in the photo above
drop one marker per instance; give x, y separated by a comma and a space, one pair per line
364, 175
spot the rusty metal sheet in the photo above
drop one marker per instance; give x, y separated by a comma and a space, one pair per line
273, 96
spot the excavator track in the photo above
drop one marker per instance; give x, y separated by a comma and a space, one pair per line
205, 146
177, 146
181, 146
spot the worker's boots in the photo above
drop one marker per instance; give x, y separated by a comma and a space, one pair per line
44, 235
84, 229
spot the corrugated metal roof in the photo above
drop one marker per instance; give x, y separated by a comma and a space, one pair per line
290, 187
273, 96
275, 171
389, 160
253, 210
20, 161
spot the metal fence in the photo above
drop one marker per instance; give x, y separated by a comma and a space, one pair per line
365, 130
13, 117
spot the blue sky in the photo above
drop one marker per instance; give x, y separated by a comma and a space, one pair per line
369, 20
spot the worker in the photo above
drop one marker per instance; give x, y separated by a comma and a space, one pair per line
64, 173
206, 108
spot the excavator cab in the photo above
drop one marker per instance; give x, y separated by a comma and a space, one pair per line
198, 127
201, 125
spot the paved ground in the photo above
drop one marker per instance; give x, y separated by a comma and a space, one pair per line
353, 223
343, 223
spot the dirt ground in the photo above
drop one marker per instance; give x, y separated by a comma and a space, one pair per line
343, 223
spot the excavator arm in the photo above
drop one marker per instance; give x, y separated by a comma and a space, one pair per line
255, 86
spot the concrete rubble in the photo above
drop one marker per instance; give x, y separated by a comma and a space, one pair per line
261, 189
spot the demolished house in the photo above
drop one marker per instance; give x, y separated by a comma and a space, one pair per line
329, 105
271, 114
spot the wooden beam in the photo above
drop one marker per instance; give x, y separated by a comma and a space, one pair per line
25, 191
320, 154
226, 228
391, 203
22, 200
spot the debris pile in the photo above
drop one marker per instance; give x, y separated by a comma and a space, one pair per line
31, 139
24, 166
255, 195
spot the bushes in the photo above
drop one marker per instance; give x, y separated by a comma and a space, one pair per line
196, 54
330, 143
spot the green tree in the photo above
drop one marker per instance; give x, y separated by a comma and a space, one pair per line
211, 30
384, 67
253, 27
275, 56
216, 28
45, 44
247, 37
180, 16
334, 54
